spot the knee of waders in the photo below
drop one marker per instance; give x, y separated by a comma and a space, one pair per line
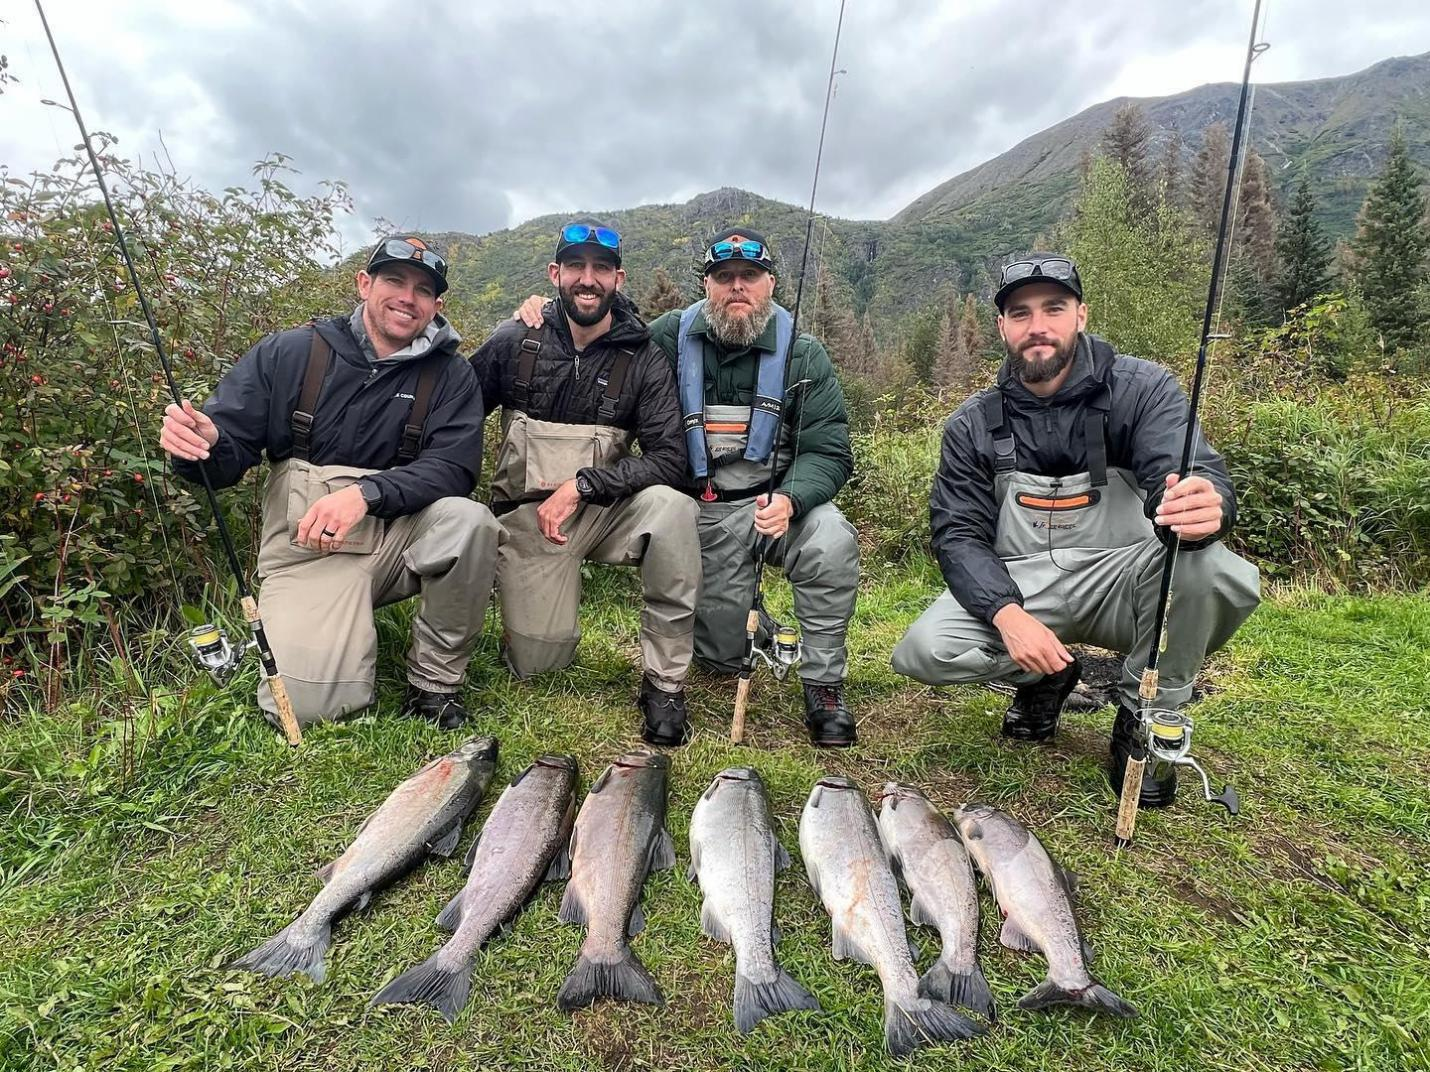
527, 656
1219, 576
317, 701
467, 517
935, 657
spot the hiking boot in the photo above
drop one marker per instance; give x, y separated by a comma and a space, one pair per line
664, 719
1033, 714
826, 717
439, 707
1157, 792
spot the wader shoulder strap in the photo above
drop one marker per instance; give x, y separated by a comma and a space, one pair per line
1094, 435
320, 355
690, 376
1005, 451
531, 344
421, 402
615, 381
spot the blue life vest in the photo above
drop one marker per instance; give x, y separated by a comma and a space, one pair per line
769, 391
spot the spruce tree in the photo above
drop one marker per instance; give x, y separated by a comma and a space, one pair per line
1303, 253
1169, 170
970, 330
1391, 247
1256, 217
1208, 179
662, 296
1127, 142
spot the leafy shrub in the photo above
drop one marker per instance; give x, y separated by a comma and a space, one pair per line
84, 492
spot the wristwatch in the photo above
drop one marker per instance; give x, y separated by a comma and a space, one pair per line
371, 494
584, 487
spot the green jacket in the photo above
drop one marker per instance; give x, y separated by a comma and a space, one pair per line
824, 462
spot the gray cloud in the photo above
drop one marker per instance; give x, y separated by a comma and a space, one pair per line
480, 116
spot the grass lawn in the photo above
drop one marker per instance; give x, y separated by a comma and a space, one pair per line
1296, 936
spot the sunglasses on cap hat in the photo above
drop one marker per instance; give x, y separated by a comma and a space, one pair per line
727, 250
580, 233
1058, 268
408, 249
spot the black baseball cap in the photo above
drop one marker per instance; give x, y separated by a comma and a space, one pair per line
589, 234
751, 246
410, 249
1037, 268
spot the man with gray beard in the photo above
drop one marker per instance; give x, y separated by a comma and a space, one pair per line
1055, 497
747, 393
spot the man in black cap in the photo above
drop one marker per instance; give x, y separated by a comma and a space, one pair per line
1055, 496
751, 394
575, 390
373, 428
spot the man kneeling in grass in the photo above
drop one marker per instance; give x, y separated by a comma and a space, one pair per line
1055, 496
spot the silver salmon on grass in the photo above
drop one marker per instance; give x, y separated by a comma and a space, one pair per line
851, 875
734, 855
620, 837
926, 850
1035, 896
423, 816
523, 840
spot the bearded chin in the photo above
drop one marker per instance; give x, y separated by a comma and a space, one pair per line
737, 330
575, 314
1045, 370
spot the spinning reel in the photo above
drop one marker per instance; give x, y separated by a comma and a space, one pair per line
213, 652
1169, 745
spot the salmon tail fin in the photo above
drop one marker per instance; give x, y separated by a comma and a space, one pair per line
968, 989
1095, 997
625, 979
922, 1022
284, 954
754, 1001
430, 983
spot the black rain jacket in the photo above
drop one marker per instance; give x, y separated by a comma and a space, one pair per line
568, 388
1146, 423
359, 417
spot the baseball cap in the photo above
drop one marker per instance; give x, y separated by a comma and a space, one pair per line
738, 244
411, 250
1037, 268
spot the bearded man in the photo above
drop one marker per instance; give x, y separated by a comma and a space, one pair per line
1055, 497
575, 391
748, 391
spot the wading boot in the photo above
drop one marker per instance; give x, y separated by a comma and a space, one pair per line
664, 719
1033, 714
1156, 792
826, 717
439, 707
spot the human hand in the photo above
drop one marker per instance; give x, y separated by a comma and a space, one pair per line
529, 311
187, 433
328, 521
772, 518
556, 510
1192, 508
1030, 643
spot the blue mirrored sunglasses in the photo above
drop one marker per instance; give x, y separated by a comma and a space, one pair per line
724, 251
576, 233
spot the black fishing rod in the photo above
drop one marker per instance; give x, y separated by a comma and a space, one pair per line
1167, 735
209, 643
783, 639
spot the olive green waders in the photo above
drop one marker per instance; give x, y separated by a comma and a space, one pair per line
317, 606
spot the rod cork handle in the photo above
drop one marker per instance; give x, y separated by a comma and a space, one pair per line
286, 719
1131, 799
742, 700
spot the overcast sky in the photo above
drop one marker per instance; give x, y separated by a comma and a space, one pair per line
483, 115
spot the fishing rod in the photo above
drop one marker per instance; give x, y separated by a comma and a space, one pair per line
1161, 735
211, 647
784, 640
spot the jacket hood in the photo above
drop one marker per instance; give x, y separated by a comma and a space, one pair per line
439, 334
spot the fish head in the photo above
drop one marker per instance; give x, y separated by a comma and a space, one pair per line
989, 833
735, 776
831, 783
642, 760
564, 767
475, 750
893, 792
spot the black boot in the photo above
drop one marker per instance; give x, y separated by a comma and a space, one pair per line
1033, 714
826, 717
1157, 792
439, 707
664, 719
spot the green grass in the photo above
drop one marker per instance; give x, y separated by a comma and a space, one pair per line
1293, 937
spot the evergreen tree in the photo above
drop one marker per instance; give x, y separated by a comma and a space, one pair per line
970, 330
1256, 217
833, 324
954, 365
1391, 247
1127, 143
662, 296
1208, 179
1303, 253
1169, 170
